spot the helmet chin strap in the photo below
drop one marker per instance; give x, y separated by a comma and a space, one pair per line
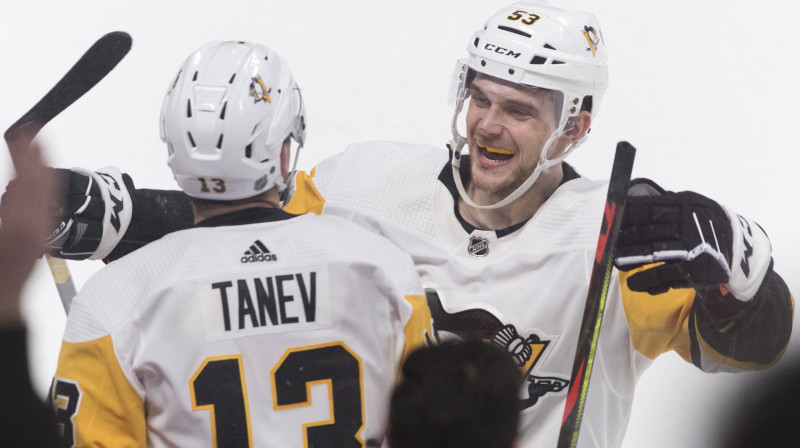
544, 163
287, 185
457, 143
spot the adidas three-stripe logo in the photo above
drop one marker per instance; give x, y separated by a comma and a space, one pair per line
258, 252
257, 248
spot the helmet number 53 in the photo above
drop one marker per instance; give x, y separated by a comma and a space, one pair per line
527, 18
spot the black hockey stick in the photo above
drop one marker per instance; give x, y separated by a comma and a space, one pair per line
597, 295
93, 66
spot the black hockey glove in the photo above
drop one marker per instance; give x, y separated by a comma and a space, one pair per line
79, 218
91, 215
694, 239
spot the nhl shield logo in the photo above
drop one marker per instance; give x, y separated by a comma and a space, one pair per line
478, 247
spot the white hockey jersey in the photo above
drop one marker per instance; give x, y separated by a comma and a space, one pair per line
523, 288
277, 333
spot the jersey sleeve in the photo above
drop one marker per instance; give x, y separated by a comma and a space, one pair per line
411, 316
418, 329
96, 396
712, 330
95, 403
310, 191
155, 214
306, 198
412, 307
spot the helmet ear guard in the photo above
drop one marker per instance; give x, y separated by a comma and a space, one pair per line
533, 44
225, 118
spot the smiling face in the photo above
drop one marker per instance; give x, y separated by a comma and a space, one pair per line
507, 127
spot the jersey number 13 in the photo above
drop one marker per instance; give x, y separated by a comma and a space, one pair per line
218, 386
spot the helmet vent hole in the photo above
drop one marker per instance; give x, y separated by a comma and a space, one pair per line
538, 60
549, 47
188, 108
224, 108
483, 63
191, 140
511, 71
230, 81
219, 142
248, 151
558, 62
194, 78
513, 30
475, 43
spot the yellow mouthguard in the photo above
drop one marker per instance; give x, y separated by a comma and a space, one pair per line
499, 150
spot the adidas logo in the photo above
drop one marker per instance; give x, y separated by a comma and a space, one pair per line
258, 252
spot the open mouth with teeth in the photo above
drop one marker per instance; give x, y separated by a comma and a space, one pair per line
495, 154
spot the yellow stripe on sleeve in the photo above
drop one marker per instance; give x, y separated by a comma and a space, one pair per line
306, 198
419, 325
95, 403
660, 323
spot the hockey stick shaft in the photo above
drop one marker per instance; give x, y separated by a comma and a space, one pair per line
92, 67
63, 280
597, 295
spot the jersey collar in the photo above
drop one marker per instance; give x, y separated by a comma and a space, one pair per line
247, 216
446, 178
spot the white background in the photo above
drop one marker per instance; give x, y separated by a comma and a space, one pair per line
705, 89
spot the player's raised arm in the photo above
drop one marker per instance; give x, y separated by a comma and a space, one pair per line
691, 252
101, 215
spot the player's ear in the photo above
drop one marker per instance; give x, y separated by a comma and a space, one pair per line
286, 152
578, 126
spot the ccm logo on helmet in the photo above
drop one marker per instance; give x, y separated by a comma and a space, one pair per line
501, 50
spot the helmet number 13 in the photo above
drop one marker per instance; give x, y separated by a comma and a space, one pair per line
526, 17
215, 185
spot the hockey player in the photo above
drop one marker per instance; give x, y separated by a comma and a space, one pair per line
507, 230
216, 335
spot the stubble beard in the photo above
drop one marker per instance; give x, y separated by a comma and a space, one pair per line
495, 185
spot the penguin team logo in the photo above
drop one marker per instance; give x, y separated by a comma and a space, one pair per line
478, 247
259, 91
528, 351
593, 37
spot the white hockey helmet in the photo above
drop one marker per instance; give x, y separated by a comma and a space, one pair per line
225, 118
534, 44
